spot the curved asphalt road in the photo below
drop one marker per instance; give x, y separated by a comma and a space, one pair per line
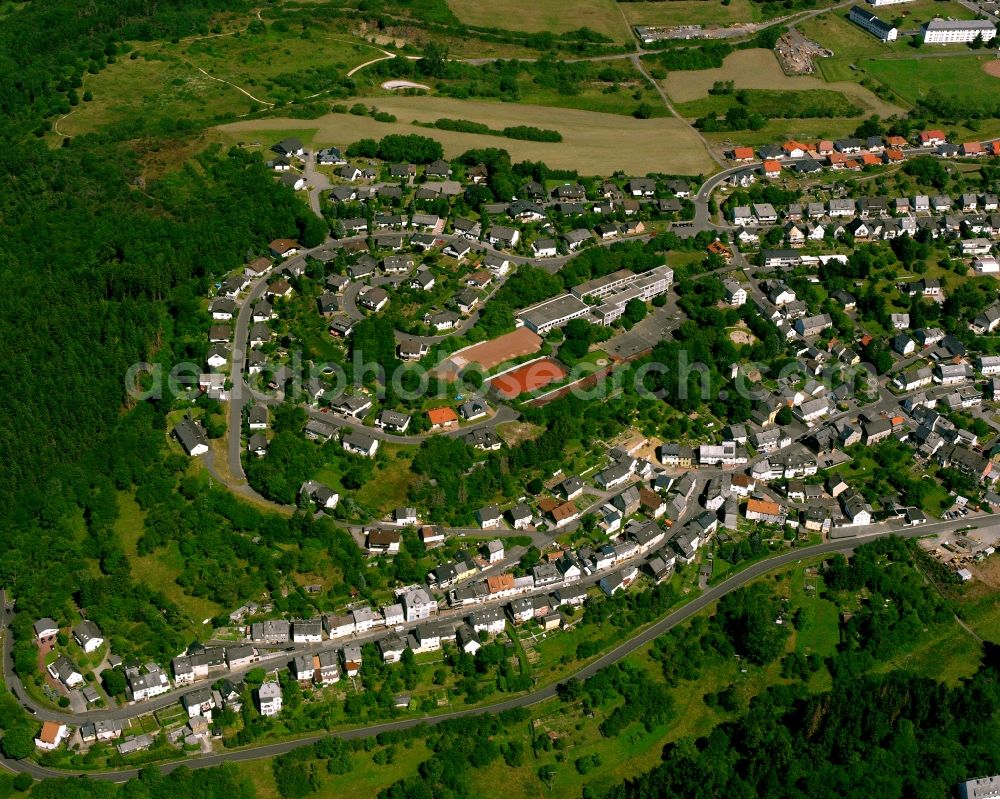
540, 695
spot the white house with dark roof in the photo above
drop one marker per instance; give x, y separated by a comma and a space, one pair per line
269, 699
88, 636
358, 442
46, 630
488, 517
191, 436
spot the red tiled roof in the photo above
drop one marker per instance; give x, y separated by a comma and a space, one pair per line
441, 415
763, 506
564, 511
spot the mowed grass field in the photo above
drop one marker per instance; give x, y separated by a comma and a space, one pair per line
759, 69
556, 16
852, 46
961, 78
689, 12
592, 142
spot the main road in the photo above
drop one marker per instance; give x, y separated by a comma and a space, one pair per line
611, 657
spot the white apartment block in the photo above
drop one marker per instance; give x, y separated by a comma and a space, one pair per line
958, 31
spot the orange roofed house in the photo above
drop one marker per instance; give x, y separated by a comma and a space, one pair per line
51, 736
796, 149
500, 585
772, 169
932, 138
760, 510
441, 417
743, 153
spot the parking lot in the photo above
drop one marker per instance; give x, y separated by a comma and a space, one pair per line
645, 335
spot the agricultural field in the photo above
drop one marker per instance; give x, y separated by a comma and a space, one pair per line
759, 69
553, 16
613, 87
689, 12
605, 141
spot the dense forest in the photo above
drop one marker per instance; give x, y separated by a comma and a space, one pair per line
224, 782
104, 265
891, 736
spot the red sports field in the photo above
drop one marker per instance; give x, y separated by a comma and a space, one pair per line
494, 352
530, 377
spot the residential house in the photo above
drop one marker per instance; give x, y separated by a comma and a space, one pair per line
269, 699
64, 670
765, 511
383, 542
88, 636
360, 443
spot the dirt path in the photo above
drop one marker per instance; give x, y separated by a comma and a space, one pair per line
360, 67
637, 61
238, 88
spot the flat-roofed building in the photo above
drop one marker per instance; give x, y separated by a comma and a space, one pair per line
546, 315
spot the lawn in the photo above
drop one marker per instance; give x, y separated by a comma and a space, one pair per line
387, 489
553, 16
676, 258
818, 631
689, 12
852, 47
592, 142
962, 79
